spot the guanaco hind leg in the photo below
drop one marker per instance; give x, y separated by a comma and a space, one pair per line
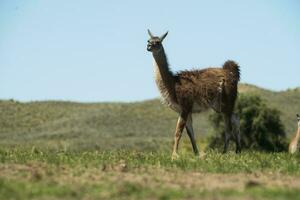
236, 130
190, 132
232, 127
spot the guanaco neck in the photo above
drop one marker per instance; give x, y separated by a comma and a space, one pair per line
298, 132
164, 76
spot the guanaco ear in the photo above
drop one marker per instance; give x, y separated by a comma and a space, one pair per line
298, 116
163, 36
150, 34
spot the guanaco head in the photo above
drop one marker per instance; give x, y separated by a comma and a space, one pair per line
155, 43
298, 119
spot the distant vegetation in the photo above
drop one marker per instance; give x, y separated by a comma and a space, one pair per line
147, 125
260, 126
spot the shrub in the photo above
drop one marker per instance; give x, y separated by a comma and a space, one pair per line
260, 125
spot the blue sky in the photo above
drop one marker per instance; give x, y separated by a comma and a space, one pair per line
94, 51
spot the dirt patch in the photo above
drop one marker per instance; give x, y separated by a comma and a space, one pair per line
147, 177
207, 181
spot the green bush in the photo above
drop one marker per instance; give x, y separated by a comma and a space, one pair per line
260, 126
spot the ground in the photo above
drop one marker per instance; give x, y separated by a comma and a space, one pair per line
36, 174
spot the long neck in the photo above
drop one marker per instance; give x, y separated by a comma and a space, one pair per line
298, 132
164, 76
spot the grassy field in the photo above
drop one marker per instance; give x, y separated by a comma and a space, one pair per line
66, 150
146, 125
36, 174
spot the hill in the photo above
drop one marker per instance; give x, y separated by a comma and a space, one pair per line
139, 125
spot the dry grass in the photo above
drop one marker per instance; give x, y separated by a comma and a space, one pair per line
38, 174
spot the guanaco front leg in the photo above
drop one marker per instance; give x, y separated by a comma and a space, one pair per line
178, 133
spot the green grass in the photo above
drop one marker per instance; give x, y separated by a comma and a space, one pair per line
126, 190
66, 150
36, 174
211, 162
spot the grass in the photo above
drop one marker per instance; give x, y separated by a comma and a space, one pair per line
211, 162
66, 150
45, 174
144, 125
127, 190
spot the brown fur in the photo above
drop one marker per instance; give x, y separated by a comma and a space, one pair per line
194, 91
209, 88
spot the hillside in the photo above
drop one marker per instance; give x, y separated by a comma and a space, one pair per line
140, 125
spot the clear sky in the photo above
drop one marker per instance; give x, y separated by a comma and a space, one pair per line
95, 50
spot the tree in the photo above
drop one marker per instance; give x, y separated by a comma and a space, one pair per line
260, 125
